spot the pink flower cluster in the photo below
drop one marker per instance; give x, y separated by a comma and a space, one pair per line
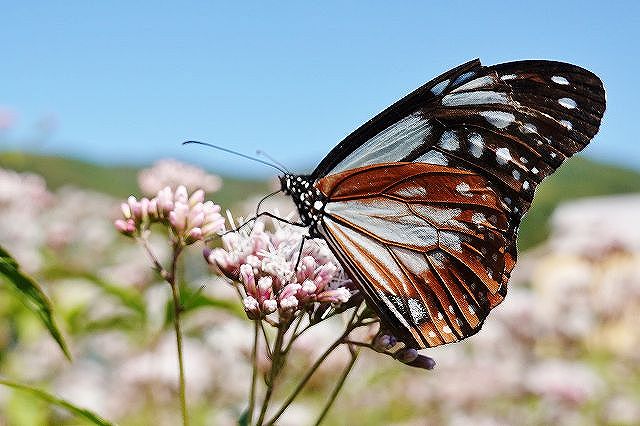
265, 264
189, 217
170, 172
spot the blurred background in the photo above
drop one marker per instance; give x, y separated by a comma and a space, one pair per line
92, 95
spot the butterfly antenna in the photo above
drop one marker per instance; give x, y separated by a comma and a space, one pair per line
273, 160
230, 151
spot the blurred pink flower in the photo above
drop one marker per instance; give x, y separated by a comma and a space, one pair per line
173, 173
189, 217
569, 382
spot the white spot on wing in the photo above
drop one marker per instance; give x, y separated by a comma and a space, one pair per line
499, 119
567, 103
417, 310
516, 174
508, 77
475, 98
559, 80
474, 84
476, 144
534, 171
528, 128
449, 140
463, 188
503, 156
411, 191
478, 218
433, 157
567, 124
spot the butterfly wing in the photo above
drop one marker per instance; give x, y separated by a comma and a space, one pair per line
514, 123
509, 126
425, 243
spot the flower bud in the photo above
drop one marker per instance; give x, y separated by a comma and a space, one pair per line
339, 295
181, 194
196, 198
195, 234
125, 227
269, 306
406, 355
423, 362
288, 303
126, 210
251, 307
309, 287
384, 342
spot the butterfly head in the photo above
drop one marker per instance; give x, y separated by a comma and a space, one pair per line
309, 200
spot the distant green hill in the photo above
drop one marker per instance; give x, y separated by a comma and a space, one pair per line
577, 178
119, 181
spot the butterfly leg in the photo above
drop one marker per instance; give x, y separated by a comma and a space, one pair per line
304, 239
271, 215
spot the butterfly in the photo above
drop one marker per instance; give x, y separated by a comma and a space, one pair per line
422, 203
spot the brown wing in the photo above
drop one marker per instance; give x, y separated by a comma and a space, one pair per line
425, 243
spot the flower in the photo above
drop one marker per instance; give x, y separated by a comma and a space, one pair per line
276, 275
171, 173
189, 217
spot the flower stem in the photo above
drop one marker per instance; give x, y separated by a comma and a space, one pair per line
176, 324
177, 310
353, 323
338, 387
170, 277
276, 366
254, 374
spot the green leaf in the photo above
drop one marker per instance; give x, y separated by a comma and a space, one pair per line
243, 420
193, 299
80, 412
32, 296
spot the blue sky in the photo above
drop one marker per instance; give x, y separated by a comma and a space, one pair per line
128, 81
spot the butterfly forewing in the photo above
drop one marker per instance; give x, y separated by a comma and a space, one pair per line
513, 123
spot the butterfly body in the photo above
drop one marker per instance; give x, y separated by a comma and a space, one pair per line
422, 204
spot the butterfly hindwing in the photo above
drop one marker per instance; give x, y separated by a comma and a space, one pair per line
426, 242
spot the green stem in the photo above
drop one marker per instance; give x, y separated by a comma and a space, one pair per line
254, 374
350, 326
338, 387
177, 310
276, 366
176, 324
170, 277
